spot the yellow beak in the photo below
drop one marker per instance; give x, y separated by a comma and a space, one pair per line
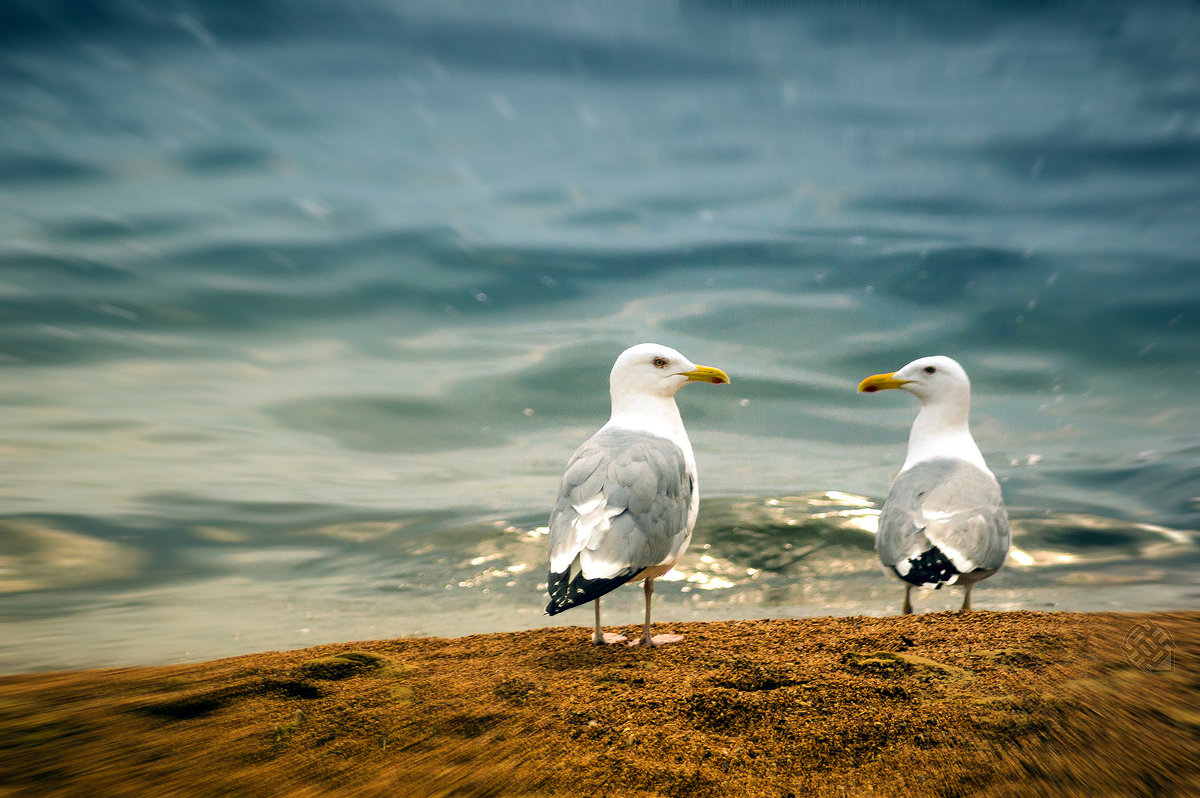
881, 382
706, 374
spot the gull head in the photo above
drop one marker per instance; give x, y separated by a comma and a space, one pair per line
933, 379
657, 370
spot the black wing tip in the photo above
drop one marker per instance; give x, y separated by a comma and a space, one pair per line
931, 568
559, 603
566, 593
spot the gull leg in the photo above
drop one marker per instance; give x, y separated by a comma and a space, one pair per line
600, 637
656, 640
907, 600
966, 607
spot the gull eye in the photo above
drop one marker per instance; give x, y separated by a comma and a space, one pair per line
659, 362
930, 370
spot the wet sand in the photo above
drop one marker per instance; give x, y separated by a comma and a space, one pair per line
937, 704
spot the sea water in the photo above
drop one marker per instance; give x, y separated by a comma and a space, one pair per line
304, 306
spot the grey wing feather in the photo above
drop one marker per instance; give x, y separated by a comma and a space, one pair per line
942, 519
623, 506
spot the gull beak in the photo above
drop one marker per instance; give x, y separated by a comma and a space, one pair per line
881, 382
706, 374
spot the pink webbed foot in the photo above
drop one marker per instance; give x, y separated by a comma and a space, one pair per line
609, 639
658, 640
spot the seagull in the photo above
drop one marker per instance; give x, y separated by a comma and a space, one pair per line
628, 499
943, 522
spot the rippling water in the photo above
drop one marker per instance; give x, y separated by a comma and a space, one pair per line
303, 307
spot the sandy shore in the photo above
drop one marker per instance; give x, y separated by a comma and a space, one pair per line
936, 704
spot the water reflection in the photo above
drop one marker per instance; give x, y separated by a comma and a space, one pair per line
796, 554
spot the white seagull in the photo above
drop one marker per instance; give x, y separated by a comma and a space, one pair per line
628, 499
943, 522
